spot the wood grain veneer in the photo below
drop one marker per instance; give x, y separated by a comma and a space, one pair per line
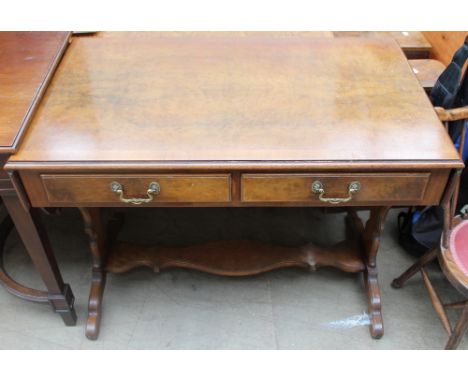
194, 98
174, 188
375, 188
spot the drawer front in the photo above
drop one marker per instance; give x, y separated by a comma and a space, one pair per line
95, 189
366, 188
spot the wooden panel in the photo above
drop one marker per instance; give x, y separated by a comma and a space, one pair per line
427, 71
174, 188
27, 61
444, 44
194, 98
381, 188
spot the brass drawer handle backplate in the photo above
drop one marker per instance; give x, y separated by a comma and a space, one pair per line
317, 188
153, 189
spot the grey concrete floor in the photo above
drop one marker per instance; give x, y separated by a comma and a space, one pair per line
183, 309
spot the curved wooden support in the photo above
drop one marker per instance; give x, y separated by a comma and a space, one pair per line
97, 241
372, 233
236, 258
374, 302
11, 285
93, 323
371, 243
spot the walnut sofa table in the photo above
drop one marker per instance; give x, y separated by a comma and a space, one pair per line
161, 120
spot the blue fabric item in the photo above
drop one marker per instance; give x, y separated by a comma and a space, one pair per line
465, 147
416, 216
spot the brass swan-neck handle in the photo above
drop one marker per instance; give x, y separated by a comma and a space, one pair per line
153, 189
318, 188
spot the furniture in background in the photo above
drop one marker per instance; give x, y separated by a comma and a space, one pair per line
233, 120
453, 259
414, 44
444, 44
452, 253
451, 91
427, 72
27, 63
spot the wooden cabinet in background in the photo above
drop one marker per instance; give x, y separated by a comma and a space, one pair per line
444, 44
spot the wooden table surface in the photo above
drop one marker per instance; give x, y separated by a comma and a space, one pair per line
26, 60
176, 97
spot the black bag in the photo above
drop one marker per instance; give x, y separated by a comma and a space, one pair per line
420, 228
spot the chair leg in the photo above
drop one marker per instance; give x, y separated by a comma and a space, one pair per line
436, 302
415, 268
459, 330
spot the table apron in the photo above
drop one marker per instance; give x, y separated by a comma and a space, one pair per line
234, 189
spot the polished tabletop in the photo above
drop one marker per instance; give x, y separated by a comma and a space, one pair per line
230, 97
26, 59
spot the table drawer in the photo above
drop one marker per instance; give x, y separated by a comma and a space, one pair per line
326, 189
135, 189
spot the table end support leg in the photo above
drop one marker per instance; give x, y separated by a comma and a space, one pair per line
94, 228
96, 295
371, 241
374, 302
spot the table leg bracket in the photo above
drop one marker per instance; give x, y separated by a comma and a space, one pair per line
7, 281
